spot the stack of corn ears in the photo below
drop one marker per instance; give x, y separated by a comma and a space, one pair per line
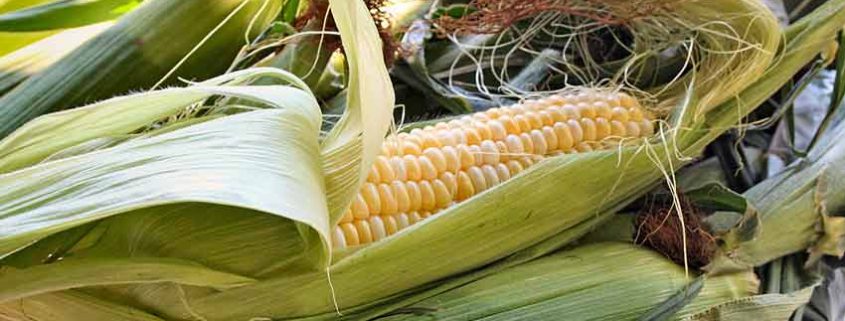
259, 215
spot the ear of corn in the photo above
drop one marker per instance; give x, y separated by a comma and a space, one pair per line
419, 174
136, 53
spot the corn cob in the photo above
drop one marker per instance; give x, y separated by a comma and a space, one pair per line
427, 170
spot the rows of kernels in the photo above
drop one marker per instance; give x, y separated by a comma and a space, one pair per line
382, 210
428, 169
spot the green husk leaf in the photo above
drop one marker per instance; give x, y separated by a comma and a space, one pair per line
585, 283
71, 305
65, 14
21, 64
137, 53
766, 307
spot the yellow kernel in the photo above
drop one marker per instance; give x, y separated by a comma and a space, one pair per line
388, 202
620, 114
515, 167
484, 130
635, 114
534, 119
570, 112
370, 194
503, 172
465, 187
412, 168
428, 201
414, 217
385, 171
617, 128
556, 113
576, 130
612, 99
602, 109
427, 168
429, 141
350, 233
414, 195
503, 151
453, 161
359, 209
450, 181
466, 157
435, 155
398, 165
565, 141
475, 150
522, 122
587, 110
539, 142
441, 126
497, 129
511, 126
632, 129
402, 221
489, 152
390, 225
400, 193
491, 176
527, 143
477, 178
473, 137
589, 128
442, 197
551, 138
545, 118
377, 228
447, 137
627, 101
365, 235
602, 128
410, 148
514, 144
459, 136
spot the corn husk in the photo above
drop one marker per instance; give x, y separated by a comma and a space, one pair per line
21, 64
64, 14
796, 210
233, 208
137, 53
585, 283
766, 307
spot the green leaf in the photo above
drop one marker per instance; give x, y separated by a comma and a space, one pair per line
137, 53
64, 14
